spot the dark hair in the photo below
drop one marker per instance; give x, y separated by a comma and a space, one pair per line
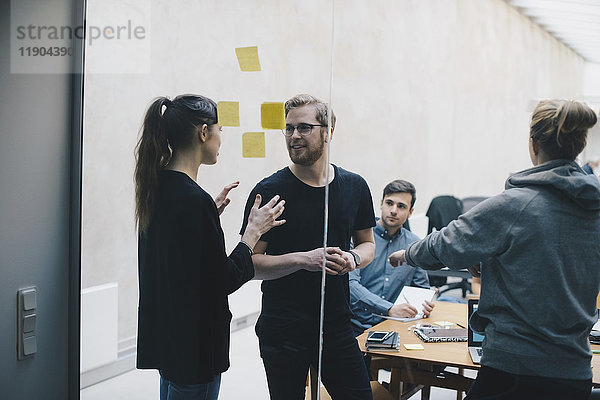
162, 133
400, 186
560, 127
300, 100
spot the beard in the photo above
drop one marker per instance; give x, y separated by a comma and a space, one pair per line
391, 224
310, 154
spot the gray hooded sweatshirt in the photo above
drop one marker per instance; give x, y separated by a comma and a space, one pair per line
539, 245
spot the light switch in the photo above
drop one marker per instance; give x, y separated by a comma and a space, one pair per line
29, 323
29, 299
26, 322
29, 345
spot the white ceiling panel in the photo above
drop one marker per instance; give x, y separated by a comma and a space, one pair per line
576, 23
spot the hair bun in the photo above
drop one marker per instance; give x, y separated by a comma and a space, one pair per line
573, 116
560, 127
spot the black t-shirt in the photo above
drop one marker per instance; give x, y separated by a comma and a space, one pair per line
293, 301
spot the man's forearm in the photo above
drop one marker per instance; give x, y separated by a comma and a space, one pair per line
366, 252
272, 267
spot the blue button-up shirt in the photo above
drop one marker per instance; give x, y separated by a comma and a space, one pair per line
375, 288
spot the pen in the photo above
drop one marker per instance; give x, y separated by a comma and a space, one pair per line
460, 325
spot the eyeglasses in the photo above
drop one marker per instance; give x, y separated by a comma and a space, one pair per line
303, 129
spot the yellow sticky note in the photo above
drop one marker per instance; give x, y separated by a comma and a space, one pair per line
272, 115
253, 144
414, 346
248, 58
228, 113
444, 323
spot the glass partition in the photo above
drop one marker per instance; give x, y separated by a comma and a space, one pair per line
241, 54
435, 93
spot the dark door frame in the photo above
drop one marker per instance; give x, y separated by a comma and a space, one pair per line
77, 83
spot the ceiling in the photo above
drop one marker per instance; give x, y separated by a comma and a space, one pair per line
576, 23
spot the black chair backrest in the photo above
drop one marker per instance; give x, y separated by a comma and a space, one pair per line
442, 210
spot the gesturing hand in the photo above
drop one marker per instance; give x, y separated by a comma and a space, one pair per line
264, 218
397, 258
221, 200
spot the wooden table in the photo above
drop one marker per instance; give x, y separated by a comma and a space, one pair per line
423, 367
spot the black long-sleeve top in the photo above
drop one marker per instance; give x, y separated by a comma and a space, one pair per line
184, 279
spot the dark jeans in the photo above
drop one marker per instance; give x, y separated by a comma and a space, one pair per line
202, 391
499, 385
343, 369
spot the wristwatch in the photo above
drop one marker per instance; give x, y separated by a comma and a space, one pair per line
356, 258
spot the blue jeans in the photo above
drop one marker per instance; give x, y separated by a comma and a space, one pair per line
202, 391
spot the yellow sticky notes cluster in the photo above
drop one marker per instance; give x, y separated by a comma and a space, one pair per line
228, 113
248, 58
253, 145
409, 346
272, 115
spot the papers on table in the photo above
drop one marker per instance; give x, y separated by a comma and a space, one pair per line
415, 297
405, 319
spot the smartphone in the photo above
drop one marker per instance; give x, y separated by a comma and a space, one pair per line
377, 336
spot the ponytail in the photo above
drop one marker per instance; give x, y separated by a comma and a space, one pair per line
163, 133
152, 155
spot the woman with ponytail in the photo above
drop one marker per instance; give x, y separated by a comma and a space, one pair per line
538, 247
184, 273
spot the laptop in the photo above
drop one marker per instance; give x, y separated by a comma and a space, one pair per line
475, 340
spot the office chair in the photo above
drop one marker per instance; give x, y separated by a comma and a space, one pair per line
465, 286
443, 210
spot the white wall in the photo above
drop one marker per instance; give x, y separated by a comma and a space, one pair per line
438, 92
591, 93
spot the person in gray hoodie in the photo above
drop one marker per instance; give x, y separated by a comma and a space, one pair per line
538, 245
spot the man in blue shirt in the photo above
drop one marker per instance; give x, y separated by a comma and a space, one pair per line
375, 288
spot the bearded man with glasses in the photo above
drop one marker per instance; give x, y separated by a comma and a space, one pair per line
289, 260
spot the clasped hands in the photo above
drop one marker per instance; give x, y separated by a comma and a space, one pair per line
337, 261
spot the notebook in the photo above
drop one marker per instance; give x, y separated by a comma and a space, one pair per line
415, 296
437, 334
475, 340
382, 340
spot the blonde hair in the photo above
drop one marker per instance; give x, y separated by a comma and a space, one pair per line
560, 127
300, 100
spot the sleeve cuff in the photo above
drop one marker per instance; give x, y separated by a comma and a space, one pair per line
248, 247
384, 307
